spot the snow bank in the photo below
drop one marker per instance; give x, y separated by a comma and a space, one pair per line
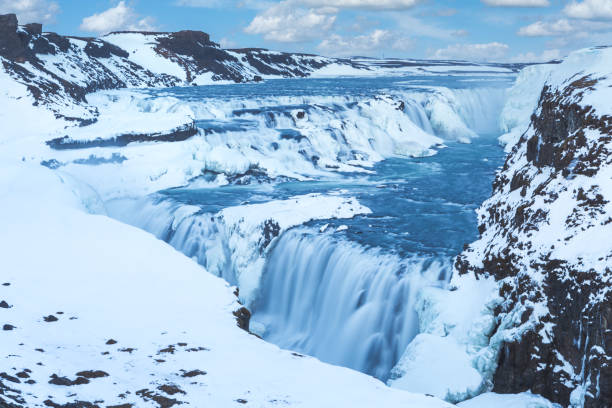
451, 358
524, 400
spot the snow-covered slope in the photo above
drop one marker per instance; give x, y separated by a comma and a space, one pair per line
97, 313
59, 71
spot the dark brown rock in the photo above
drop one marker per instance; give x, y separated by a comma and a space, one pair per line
12, 46
90, 374
33, 28
193, 373
66, 382
243, 318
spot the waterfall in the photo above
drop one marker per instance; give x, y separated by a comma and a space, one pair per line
195, 233
418, 116
319, 293
342, 303
480, 108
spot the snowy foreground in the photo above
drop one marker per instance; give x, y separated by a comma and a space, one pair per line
75, 283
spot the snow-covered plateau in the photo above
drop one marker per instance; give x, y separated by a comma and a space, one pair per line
190, 225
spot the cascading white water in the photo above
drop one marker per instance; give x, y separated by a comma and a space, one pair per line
197, 235
337, 301
480, 108
418, 116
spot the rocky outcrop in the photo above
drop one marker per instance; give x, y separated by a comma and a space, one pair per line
545, 238
179, 134
12, 45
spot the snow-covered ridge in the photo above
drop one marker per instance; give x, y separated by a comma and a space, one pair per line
59, 71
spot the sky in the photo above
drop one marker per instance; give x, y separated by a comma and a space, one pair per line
479, 30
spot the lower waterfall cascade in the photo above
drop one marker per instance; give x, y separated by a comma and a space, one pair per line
346, 305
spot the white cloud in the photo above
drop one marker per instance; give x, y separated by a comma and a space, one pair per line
544, 29
284, 22
252, 4
418, 28
371, 44
120, 17
340, 4
302, 20
31, 11
363, 4
228, 43
545, 56
517, 3
493, 51
589, 9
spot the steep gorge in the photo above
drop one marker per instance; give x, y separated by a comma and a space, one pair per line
545, 239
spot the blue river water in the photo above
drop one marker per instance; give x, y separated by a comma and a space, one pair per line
421, 206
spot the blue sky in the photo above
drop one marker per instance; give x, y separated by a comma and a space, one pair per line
494, 30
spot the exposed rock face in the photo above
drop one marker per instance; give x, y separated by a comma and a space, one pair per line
545, 237
282, 63
11, 44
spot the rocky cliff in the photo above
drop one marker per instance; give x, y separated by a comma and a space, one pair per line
545, 238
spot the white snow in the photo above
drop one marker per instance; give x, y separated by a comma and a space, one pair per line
142, 52
451, 358
492, 400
